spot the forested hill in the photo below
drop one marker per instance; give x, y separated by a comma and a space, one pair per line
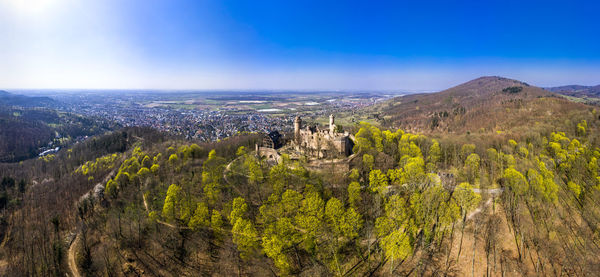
483, 105
10, 99
138, 203
510, 200
25, 132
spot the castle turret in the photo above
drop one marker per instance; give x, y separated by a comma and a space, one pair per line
297, 125
331, 123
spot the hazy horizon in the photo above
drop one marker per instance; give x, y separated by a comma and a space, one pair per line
294, 46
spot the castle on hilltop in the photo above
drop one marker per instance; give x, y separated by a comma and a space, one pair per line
310, 141
321, 143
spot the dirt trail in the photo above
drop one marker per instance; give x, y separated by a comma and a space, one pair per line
71, 257
158, 220
73, 247
479, 209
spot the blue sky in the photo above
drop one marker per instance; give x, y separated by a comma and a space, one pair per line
303, 45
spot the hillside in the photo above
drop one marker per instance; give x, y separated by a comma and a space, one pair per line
26, 132
483, 105
517, 200
10, 99
30, 125
138, 203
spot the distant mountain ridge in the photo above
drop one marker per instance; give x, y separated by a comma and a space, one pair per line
10, 99
577, 90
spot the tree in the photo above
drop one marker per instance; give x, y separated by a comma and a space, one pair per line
238, 209
550, 188
516, 181
280, 175
143, 172
154, 168
111, 189
310, 219
378, 182
396, 246
290, 202
581, 128
146, 162
177, 206
466, 150
392, 229
212, 169
367, 138
472, 167
241, 151
200, 218
354, 197
244, 234
467, 200
414, 171
173, 159
255, 173
196, 151
368, 161
575, 188
435, 152
344, 226
216, 220
245, 237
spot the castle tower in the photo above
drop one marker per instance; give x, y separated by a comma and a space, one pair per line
331, 124
297, 125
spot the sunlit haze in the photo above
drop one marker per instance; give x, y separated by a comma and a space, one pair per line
299, 45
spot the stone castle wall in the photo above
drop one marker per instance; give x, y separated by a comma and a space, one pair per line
322, 143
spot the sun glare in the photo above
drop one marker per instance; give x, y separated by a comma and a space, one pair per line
29, 7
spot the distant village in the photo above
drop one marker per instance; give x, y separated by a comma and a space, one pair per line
197, 124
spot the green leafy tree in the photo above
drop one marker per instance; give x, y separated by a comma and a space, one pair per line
393, 230
310, 219
278, 239
200, 219
143, 172
472, 167
146, 162
435, 152
378, 182
280, 175
368, 161
177, 206
241, 151
154, 168
216, 220
245, 236
196, 151
467, 200
344, 226
238, 209
414, 171
354, 197
516, 181
111, 189
173, 159
575, 188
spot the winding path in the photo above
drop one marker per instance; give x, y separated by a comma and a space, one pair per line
71, 257
73, 247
